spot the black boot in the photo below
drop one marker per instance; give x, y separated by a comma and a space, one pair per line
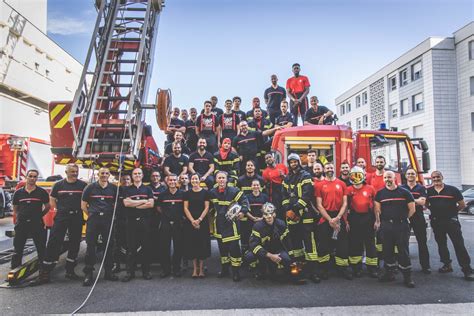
387, 276
110, 276
89, 279
407, 280
224, 271
70, 273
43, 278
116, 268
372, 271
446, 268
129, 276
346, 273
357, 271
235, 274
312, 273
146, 274
468, 274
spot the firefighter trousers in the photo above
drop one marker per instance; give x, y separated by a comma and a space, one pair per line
230, 252
362, 237
264, 264
138, 235
418, 224
23, 230
396, 233
70, 222
303, 238
171, 231
245, 231
120, 233
326, 244
442, 228
98, 224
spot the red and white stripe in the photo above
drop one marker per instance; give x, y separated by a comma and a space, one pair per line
24, 159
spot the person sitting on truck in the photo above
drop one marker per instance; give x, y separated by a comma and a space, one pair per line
285, 119
297, 88
175, 163
176, 124
318, 115
256, 104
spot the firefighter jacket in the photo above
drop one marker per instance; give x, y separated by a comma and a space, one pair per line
269, 238
231, 164
224, 229
297, 192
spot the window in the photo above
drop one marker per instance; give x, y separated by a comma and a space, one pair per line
404, 107
393, 83
358, 123
403, 77
348, 107
416, 71
343, 109
472, 121
417, 102
393, 110
471, 50
365, 121
418, 131
357, 101
472, 85
364, 98
349, 123
394, 150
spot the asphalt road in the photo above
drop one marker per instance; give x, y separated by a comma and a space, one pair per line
185, 293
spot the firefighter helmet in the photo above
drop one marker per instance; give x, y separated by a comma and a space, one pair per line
293, 156
357, 175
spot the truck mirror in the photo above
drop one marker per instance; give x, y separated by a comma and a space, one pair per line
425, 156
423, 145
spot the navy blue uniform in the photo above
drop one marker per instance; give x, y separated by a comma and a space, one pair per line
191, 135
229, 123
176, 164
207, 128
176, 123
284, 119
311, 116
248, 146
201, 165
274, 96
255, 209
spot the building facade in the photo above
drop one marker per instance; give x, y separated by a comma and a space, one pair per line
427, 93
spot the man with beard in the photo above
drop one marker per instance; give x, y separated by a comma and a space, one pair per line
331, 201
227, 231
273, 97
227, 160
285, 119
176, 163
190, 134
361, 163
417, 221
201, 162
256, 105
361, 220
318, 115
296, 194
297, 88
236, 101
139, 201
444, 202
208, 127
344, 176
311, 160
178, 138
318, 173
393, 207
261, 124
176, 124
273, 177
184, 115
215, 110
229, 122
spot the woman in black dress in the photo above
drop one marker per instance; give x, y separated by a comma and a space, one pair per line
197, 239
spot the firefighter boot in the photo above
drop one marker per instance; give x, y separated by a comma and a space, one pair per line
236, 274
372, 272
224, 271
468, 274
347, 273
357, 270
43, 278
312, 274
70, 273
387, 276
88, 279
407, 280
446, 268
110, 276
117, 268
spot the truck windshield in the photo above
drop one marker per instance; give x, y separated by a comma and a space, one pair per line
393, 149
324, 152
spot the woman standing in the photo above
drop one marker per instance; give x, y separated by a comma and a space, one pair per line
196, 231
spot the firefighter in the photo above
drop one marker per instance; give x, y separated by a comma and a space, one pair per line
344, 173
120, 225
417, 221
444, 202
171, 207
311, 160
270, 244
245, 181
65, 197
30, 204
227, 231
393, 207
361, 220
201, 162
296, 195
229, 122
157, 187
98, 201
318, 172
297, 88
331, 201
256, 200
207, 126
227, 160
273, 177
139, 201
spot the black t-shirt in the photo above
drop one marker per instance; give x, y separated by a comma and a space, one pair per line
100, 199
394, 203
30, 205
284, 119
249, 114
309, 169
171, 205
229, 123
207, 124
201, 163
245, 182
184, 149
68, 195
256, 203
260, 125
191, 133
196, 201
137, 193
347, 181
248, 145
176, 164
121, 211
157, 191
274, 97
312, 116
241, 114
216, 111
176, 123
444, 204
417, 191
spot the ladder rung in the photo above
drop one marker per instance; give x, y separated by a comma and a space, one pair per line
120, 28
108, 98
120, 85
107, 140
132, 9
111, 111
111, 125
131, 18
122, 73
122, 61
129, 39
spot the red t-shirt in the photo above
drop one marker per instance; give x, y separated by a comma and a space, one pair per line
332, 193
273, 174
376, 181
297, 84
361, 200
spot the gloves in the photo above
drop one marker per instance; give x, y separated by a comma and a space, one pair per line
292, 216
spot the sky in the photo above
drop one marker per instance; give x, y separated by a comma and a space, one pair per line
228, 47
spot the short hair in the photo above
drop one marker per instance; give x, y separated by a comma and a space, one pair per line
295, 64
171, 175
202, 138
155, 171
236, 98
380, 157
437, 172
177, 132
284, 101
410, 168
314, 97
176, 144
228, 100
192, 109
311, 151
72, 165
250, 160
256, 180
207, 102
221, 172
32, 170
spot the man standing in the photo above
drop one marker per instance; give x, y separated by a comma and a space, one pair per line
318, 172
393, 207
227, 231
245, 181
285, 119
184, 115
273, 97
236, 101
98, 200
311, 160
170, 206
30, 204
190, 134
318, 115
176, 163
376, 179
202, 163
207, 127
66, 199
296, 194
176, 124
157, 187
229, 122
215, 110
331, 201
297, 88
273, 177
344, 173
444, 202
417, 221
361, 163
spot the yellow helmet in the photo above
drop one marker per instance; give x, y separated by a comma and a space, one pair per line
357, 175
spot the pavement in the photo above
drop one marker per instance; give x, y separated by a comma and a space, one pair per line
434, 294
